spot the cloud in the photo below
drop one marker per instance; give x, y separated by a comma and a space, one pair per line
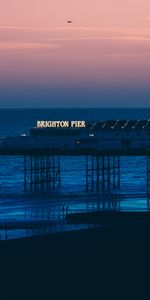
37, 28
127, 54
94, 32
18, 40
54, 43
130, 38
26, 45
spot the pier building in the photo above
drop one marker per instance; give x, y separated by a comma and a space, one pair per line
100, 142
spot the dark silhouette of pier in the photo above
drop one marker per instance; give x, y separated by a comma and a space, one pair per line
100, 143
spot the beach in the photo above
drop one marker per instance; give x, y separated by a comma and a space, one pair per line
100, 263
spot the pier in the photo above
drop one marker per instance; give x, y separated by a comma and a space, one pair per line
100, 143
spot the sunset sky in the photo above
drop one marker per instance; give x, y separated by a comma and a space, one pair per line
101, 59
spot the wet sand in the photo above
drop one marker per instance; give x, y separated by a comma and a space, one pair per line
103, 263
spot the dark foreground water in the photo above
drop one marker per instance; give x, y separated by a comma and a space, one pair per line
17, 206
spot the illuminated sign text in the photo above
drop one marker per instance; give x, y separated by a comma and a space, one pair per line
63, 124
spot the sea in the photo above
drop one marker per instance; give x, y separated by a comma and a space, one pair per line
19, 207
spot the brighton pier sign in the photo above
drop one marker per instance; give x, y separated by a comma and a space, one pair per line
61, 124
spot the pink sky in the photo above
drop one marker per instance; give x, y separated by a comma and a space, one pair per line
106, 46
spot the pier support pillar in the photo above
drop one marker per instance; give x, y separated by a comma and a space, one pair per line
41, 173
102, 173
148, 174
116, 171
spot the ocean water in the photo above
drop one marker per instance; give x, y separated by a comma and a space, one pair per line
15, 204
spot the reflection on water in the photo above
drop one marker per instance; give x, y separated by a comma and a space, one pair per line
43, 216
22, 209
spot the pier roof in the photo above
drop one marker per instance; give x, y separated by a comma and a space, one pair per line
138, 125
